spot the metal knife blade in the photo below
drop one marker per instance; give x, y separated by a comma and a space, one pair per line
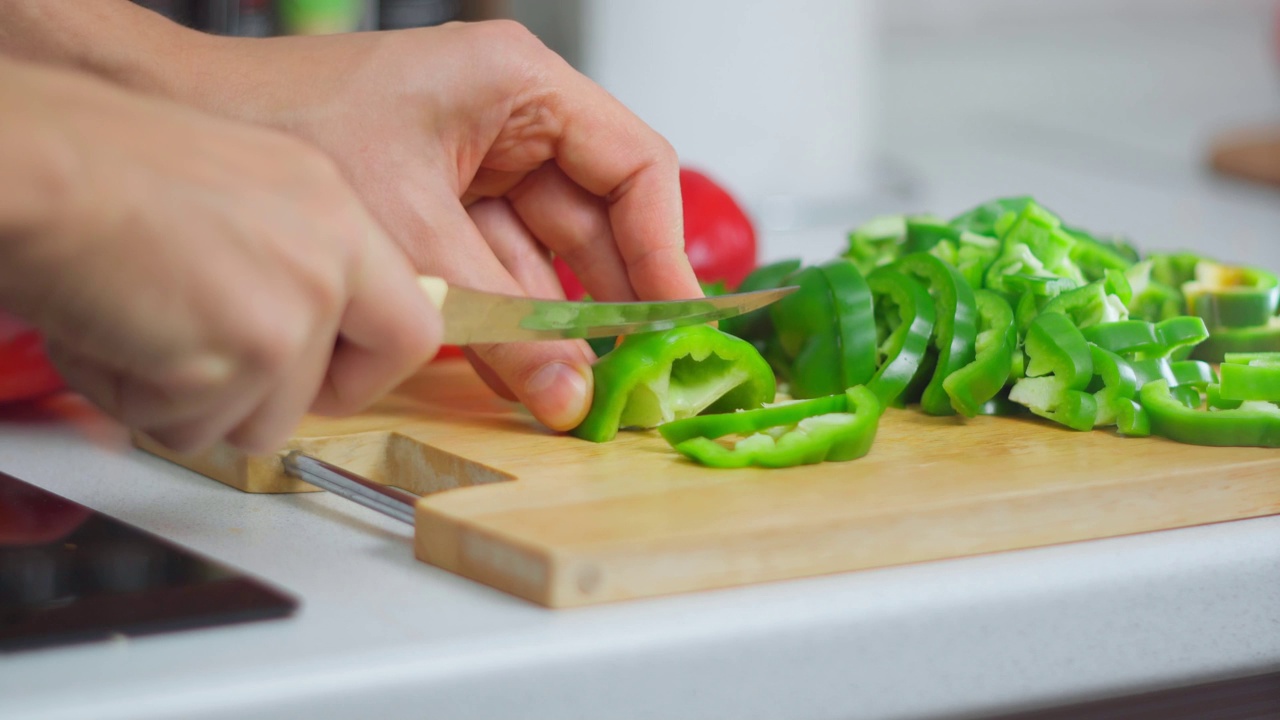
474, 316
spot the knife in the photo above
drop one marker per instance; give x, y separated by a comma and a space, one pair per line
474, 316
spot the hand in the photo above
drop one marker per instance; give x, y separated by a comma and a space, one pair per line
197, 278
481, 152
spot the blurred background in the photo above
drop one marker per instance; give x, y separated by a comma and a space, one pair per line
818, 114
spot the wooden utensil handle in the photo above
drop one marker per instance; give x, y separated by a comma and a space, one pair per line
436, 288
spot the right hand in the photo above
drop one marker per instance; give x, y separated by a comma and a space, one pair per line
198, 279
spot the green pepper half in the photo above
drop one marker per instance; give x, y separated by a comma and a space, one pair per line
653, 378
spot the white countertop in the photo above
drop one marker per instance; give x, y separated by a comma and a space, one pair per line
381, 635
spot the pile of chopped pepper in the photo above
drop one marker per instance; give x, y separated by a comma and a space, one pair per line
1001, 310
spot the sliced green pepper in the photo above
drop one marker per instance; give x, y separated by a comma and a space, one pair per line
1125, 336
1264, 338
1151, 300
855, 321
653, 378
1054, 345
1179, 335
983, 218
1095, 258
955, 326
926, 231
1119, 385
1152, 369
1194, 373
1213, 398
973, 385
1132, 420
806, 328
1255, 426
904, 321
877, 242
755, 326
1250, 376
1088, 305
1232, 297
1059, 367
836, 428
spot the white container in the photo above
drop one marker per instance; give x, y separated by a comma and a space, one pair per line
774, 99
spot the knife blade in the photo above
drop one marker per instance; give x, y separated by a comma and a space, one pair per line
474, 316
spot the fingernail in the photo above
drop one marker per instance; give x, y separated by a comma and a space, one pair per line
558, 392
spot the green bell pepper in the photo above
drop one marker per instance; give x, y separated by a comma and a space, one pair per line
877, 242
1132, 419
755, 326
983, 218
1232, 297
904, 325
653, 378
805, 325
1118, 385
1125, 337
1250, 376
1264, 338
1179, 335
973, 385
955, 326
1150, 299
855, 321
1195, 373
836, 428
926, 231
1249, 425
1088, 305
1059, 367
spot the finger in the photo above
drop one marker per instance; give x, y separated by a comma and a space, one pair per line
489, 375
551, 379
575, 225
516, 248
189, 426
388, 330
612, 154
268, 427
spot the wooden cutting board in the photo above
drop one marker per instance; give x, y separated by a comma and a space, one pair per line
564, 522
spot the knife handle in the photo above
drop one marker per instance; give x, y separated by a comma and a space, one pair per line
435, 288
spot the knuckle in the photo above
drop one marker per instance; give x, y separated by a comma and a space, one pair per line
269, 344
509, 33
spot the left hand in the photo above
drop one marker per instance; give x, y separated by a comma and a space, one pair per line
481, 152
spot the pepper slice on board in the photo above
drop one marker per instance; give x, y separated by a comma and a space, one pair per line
973, 385
1264, 338
755, 326
1228, 296
1089, 305
809, 345
1119, 385
954, 329
1059, 367
1254, 425
855, 321
652, 378
904, 324
835, 428
1250, 376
